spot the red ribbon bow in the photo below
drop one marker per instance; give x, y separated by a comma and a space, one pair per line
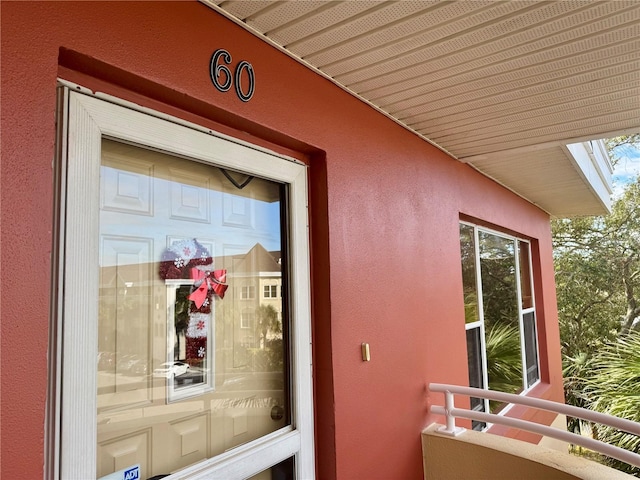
205, 281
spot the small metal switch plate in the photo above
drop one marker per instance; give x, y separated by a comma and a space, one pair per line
366, 353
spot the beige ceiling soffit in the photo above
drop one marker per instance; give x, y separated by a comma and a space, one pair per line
213, 6
543, 146
510, 189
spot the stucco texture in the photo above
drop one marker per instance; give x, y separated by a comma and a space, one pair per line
385, 207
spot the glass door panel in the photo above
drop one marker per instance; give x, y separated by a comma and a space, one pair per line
282, 471
193, 324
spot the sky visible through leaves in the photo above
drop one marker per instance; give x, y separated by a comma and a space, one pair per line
627, 168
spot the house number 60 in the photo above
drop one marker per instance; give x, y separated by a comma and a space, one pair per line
222, 77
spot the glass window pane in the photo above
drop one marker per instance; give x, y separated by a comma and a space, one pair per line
469, 283
525, 275
282, 471
474, 359
531, 347
501, 316
192, 361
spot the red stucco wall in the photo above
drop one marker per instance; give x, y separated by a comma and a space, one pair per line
385, 209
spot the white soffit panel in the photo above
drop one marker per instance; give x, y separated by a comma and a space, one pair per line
476, 77
560, 186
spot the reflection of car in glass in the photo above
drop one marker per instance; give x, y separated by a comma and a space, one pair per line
106, 360
139, 367
169, 369
126, 362
260, 381
194, 376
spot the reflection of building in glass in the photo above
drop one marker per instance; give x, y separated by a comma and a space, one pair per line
248, 317
255, 280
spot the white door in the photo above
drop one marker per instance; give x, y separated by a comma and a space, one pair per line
185, 294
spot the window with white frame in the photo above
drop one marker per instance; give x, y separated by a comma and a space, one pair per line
247, 318
153, 368
500, 320
248, 292
270, 291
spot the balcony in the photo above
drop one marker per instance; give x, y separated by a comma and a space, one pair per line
488, 456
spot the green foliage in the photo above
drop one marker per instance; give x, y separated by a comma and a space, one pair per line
615, 144
267, 322
181, 308
268, 359
598, 275
576, 372
470, 307
498, 272
504, 359
597, 262
614, 388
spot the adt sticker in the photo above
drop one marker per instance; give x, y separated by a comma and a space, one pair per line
129, 473
132, 473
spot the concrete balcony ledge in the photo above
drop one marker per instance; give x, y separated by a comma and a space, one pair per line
483, 456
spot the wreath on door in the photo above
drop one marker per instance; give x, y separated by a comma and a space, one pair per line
190, 260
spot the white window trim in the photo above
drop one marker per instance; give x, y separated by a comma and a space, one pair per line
270, 290
246, 323
480, 322
523, 311
208, 385
88, 119
247, 292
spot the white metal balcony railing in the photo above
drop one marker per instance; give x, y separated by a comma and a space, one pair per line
451, 413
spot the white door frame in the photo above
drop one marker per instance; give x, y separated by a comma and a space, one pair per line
88, 119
